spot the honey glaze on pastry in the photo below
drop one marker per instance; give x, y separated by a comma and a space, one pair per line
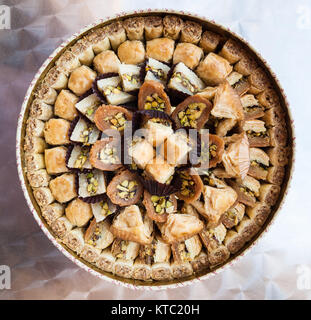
159, 217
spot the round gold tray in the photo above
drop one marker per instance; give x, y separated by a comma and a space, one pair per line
34, 208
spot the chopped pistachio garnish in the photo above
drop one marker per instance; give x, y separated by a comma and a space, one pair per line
258, 164
158, 73
85, 135
133, 78
92, 183
179, 77
187, 185
127, 189
105, 211
81, 159
117, 121
261, 134
189, 117
108, 155
184, 254
154, 102
162, 204
249, 192
112, 90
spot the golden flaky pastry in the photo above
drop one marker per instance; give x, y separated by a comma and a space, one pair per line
180, 227
236, 157
227, 103
130, 225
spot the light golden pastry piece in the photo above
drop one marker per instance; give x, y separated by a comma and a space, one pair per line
247, 228
160, 49
231, 51
181, 270
257, 133
238, 82
156, 71
252, 108
236, 158
83, 50
123, 268
161, 271
56, 78
78, 212
172, 26
180, 227
134, 28
90, 253
79, 158
227, 103
224, 126
40, 110
208, 93
116, 34
106, 260
259, 81
34, 161
159, 170
101, 210
65, 105
91, 184
278, 135
61, 227
234, 241
200, 263
259, 213
43, 196
275, 175
141, 271
269, 98
34, 144
269, 194
98, 234
81, 80
141, 152
188, 250
46, 94
216, 202
84, 132
213, 69
210, 41
63, 187
56, 131
131, 225
39, 178
187, 53
153, 27
67, 62
130, 75
233, 216
99, 40
88, 106
259, 163
125, 249
191, 32
247, 64
131, 52
52, 212
279, 156
106, 62
218, 256
55, 160
247, 190
74, 240
157, 132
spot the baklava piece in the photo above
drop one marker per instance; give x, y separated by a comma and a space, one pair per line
231, 51
172, 26
91, 184
65, 105
131, 52
233, 216
38, 178
46, 94
52, 212
134, 28
278, 135
131, 225
181, 270
123, 268
259, 81
200, 263
90, 253
160, 49
157, 131
61, 227
247, 228
191, 186
210, 41
63, 187
99, 40
156, 70
247, 64
274, 116
159, 170
112, 90
269, 99
41, 110
130, 75
88, 106
43, 196
247, 190
106, 62
74, 240
106, 260
152, 96
192, 112
259, 163
259, 213
125, 189
83, 50
279, 156
56, 79
257, 133
187, 250
141, 270
187, 53
106, 154
161, 269
102, 209
34, 127
84, 132
78, 212
98, 234
34, 144
275, 175
141, 152
191, 32
78, 158
153, 27
180, 227
81, 80
252, 108
234, 241
213, 69
34, 161
269, 194
185, 80
223, 126
159, 207
238, 82
56, 131
116, 34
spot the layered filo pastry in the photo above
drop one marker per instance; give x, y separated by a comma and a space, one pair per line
120, 162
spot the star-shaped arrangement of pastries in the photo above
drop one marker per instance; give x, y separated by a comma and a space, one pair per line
156, 149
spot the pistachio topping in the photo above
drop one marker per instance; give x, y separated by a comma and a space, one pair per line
187, 185
105, 211
189, 116
85, 135
162, 204
158, 73
95, 237
112, 90
179, 77
81, 159
92, 183
261, 134
154, 102
117, 121
248, 192
127, 189
183, 253
108, 155
133, 78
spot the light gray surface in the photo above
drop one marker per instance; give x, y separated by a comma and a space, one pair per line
279, 29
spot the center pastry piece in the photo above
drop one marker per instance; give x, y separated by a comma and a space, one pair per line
136, 205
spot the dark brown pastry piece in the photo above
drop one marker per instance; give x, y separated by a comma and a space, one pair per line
279, 156
152, 96
172, 26
125, 188
234, 241
112, 117
200, 263
247, 228
192, 112
269, 194
246, 65
106, 154
233, 216
153, 27
259, 212
212, 149
278, 135
252, 109
275, 175
134, 28
159, 207
274, 116
210, 41
191, 32
259, 81
231, 51
268, 98
191, 186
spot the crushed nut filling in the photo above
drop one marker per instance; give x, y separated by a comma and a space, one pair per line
148, 251
112, 90
95, 237
122, 249
162, 204
108, 155
249, 192
85, 135
179, 77
117, 121
251, 108
154, 102
133, 78
258, 164
127, 189
105, 211
81, 159
261, 134
183, 253
92, 183
189, 117
187, 185
158, 73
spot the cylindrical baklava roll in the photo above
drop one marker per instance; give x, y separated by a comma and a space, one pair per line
74, 240
34, 161
116, 34
106, 260
40, 110
34, 127
153, 27
172, 26
43, 195
39, 178
46, 94
83, 50
56, 78
99, 40
259, 213
34, 144
67, 62
52, 212
134, 28
191, 32
90, 253
61, 227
